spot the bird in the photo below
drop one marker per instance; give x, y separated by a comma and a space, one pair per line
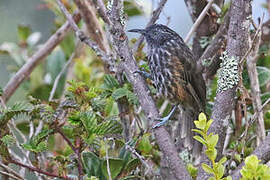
173, 72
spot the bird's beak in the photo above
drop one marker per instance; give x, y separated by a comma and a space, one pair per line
141, 31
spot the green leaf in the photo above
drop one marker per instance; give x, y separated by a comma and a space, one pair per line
1, 91
207, 169
144, 144
23, 31
212, 141
199, 132
222, 160
220, 171
132, 165
132, 9
92, 164
55, 62
200, 139
119, 93
115, 166
110, 83
263, 75
132, 98
208, 124
211, 154
68, 44
8, 140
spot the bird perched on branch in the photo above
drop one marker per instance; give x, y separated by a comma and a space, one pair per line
173, 72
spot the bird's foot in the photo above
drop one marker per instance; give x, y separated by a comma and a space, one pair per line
165, 119
144, 74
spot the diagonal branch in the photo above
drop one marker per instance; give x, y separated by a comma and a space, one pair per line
129, 66
28, 67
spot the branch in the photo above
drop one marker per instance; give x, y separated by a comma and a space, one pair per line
236, 48
36, 59
94, 46
96, 33
76, 150
262, 152
215, 47
56, 81
198, 21
38, 170
9, 170
120, 43
252, 59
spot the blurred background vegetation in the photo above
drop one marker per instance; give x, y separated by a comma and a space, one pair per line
36, 15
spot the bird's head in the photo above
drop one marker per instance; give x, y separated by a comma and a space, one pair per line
156, 34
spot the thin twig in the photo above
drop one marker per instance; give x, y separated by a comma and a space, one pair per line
38, 170
77, 151
82, 36
153, 19
8, 169
141, 158
37, 57
198, 21
60, 75
10, 175
107, 161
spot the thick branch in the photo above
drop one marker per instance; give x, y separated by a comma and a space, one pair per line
87, 10
28, 67
140, 88
236, 48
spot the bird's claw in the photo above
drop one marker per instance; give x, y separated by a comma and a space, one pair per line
162, 121
165, 119
144, 74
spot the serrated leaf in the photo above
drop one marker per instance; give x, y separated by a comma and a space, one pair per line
110, 83
207, 169
8, 140
132, 98
119, 93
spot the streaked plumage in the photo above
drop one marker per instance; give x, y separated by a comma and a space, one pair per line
173, 71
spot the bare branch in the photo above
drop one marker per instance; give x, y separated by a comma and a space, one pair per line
28, 67
38, 170
252, 59
198, 21
9, 170
129, 66
236, 48
56, 81
99, 52
96, 33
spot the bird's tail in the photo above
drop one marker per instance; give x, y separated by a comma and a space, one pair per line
186, 124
